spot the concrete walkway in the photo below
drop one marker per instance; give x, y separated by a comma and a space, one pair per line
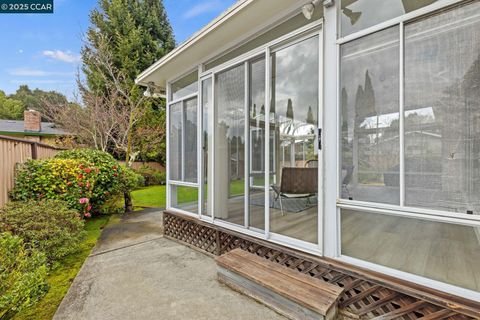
135, 273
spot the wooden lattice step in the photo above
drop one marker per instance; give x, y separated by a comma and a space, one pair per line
289, 292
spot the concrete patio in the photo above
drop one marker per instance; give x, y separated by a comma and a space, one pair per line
135, 273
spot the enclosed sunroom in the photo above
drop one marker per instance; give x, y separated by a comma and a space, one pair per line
347, 130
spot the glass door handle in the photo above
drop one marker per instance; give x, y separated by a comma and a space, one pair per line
319, 138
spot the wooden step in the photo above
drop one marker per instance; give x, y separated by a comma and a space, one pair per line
289, 292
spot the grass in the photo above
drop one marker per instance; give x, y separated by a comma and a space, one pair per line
155, 196
62, 276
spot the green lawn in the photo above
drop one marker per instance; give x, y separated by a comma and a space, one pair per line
155, 196
61, 278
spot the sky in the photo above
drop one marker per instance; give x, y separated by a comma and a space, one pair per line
43, 50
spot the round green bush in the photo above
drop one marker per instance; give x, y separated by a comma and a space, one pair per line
23, 275
47, 225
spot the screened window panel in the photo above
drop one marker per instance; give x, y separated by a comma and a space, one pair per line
184, 86
230, 145
370, 146
185, 198
442, 110
175, 144
183, 141
190, 127
441, 251
361, 14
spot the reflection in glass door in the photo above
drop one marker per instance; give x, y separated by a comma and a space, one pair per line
294, 122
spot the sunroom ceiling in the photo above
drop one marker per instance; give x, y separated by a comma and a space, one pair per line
241, 21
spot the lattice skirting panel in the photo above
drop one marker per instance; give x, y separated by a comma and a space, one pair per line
363, 298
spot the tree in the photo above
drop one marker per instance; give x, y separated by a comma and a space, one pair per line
10, 109
133, 34
35, 99
310, 119
126, 37
138, 33
289, 113
92, 123
150, 135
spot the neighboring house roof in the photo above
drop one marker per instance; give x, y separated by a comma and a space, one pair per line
244, 20
17, 127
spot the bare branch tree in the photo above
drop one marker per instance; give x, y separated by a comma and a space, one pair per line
129, 107
93, 121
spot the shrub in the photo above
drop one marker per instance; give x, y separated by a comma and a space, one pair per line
130, 180
114, 205
23, 275
152, 176
107, 181
47, 225
64, 179
83, 178
160, 177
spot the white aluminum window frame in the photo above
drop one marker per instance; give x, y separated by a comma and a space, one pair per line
400, 210
179, 183
314, 29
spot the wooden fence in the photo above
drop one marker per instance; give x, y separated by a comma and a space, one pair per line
13, 151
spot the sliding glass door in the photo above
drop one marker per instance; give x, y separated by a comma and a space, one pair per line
259, 162
294, 85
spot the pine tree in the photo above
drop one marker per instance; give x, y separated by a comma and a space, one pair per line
310, 119
289, 113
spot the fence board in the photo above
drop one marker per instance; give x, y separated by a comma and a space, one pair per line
13, 151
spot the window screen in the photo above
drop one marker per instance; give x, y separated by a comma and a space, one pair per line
183, 141
184, 86
370, 118
230, 145
442, 110
175, 146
